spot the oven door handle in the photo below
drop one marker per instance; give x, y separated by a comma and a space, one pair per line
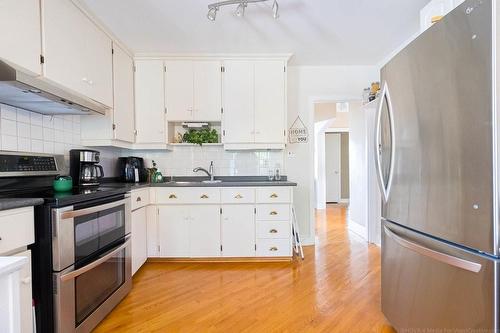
94, 264
86, 211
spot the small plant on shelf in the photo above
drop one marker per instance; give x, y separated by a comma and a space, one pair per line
201, 136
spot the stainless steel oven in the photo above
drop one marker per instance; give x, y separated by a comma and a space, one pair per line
91, 262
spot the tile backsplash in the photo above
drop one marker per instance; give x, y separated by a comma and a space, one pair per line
26, 131
183, 159
31, 132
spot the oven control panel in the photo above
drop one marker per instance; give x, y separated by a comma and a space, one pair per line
11, 164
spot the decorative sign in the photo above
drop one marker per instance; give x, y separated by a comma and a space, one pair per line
298, 132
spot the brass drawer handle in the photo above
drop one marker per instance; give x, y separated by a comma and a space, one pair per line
238, 196
172, 196
273, 249
274, 195
273, 231
273, 213
138, 199
204, 196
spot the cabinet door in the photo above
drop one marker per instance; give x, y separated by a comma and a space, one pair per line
123, 84
20, 42
174, 231
139, 238
238, 97
238, 231
269, 102
149, 102
77, 53
207, 90
179, 90
26, 297
204, 231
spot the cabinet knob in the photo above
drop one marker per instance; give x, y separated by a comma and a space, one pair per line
273, 249
273, 213
274, 195
238, 196
273, 231
138, 199
172, 196
204, 196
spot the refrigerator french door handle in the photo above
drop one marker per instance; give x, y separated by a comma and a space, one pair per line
439, 256
385, 96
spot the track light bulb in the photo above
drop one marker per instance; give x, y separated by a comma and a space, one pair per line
276, 8
212, 13
240, 10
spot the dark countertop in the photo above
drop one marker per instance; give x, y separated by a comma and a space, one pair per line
12, 203
228, 181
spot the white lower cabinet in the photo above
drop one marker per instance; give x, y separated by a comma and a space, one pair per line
201, 222
139, 238
238, 230
173, 229
26, 302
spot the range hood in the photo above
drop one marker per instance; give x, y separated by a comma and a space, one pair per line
36, 94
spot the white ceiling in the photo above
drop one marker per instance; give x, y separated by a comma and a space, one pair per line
317, 32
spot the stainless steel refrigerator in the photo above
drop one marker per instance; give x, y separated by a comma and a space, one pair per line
438, 166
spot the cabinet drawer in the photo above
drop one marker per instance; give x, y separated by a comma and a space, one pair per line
17, 229
190, 195
273, 194
277, 212
139, 198
273, 248
236, 195
273, 229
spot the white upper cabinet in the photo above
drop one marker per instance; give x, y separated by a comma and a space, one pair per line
207, 91
193, 90
123, 84
238, 102
20, 41
254, 103
269, 102
77, 53
149, 101
179, 90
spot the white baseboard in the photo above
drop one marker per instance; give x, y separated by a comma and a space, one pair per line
344, 201
308, 241
358, 229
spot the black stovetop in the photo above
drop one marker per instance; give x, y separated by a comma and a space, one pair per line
59, 199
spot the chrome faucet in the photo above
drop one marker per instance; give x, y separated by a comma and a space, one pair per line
209, 173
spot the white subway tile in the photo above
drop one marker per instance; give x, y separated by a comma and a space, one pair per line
8, 112
58, 136
68, 125
23, 116
24, 144
23, 130
76, 119
8, 127
37, 146
48, 134
58, 123
36, 119
36, 132
48, 121
59, 148
9, 142
48, 147
68, 138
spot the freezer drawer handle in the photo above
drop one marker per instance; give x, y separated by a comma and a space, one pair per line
442, 257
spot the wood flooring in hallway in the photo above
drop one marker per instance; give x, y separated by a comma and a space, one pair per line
335, 289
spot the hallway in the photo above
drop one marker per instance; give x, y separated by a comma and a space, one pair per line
335, 289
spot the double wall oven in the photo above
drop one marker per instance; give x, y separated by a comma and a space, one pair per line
81, 256
91, 261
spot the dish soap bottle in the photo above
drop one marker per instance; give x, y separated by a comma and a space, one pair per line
158, 177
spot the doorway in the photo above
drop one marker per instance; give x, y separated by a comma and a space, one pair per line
332, 167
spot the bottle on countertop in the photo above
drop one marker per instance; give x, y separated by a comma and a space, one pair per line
277, 172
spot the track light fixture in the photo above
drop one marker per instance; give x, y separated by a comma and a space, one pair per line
240, 9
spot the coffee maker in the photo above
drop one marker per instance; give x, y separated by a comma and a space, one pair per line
83, 167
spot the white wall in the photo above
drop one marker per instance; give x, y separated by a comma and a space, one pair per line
307, 84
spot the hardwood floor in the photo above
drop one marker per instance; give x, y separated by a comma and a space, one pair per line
335, 289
